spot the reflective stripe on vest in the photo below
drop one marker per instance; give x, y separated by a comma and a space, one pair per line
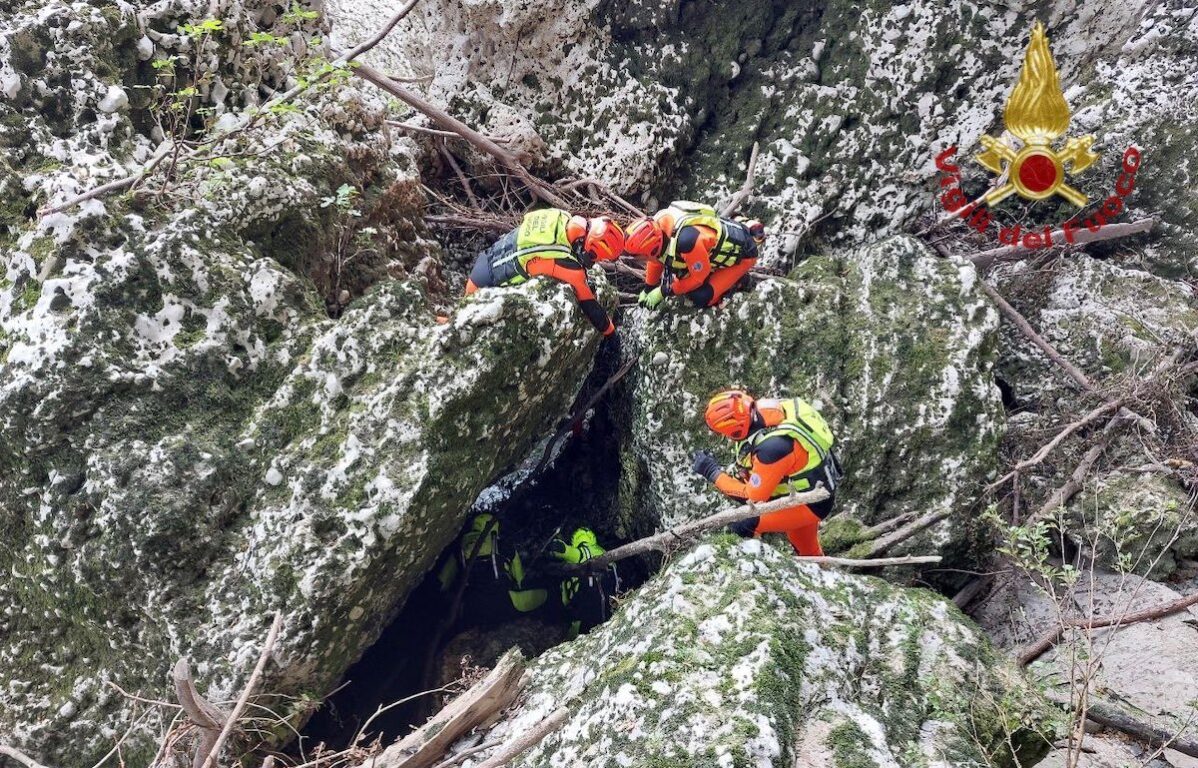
542, 234
802, 423
725, 253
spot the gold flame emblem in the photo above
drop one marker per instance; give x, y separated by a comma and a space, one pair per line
1036, 112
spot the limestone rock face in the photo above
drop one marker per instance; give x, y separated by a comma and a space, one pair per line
849, 102
739, 655
894, 345
188, 442
1146, 668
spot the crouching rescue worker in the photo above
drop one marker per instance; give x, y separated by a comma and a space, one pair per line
782, 446
552, 243
690, 251
585, 599
497, 587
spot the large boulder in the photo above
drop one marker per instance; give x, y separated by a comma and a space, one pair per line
737, 654
189, 442
895, 345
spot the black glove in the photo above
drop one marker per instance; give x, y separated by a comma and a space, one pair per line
745, 528
706, 465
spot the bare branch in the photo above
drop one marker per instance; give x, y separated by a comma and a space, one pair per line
984, 259
873, 562
1035, 649
1048, 447
928, 519
746, 189
267, 649
1027, 330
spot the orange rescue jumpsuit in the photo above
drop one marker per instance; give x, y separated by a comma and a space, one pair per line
703, 284
773, 460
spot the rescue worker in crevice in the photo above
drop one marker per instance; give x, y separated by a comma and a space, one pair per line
584, 599
498, 585
782, 446
691, 251
552, 243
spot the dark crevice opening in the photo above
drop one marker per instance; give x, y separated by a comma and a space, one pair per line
580, 489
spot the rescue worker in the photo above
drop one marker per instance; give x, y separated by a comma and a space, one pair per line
690, 251
495, 581
552, 243
584, 599
782, 446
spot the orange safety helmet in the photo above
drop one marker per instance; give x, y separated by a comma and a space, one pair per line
730, 413
602, 237
645, 239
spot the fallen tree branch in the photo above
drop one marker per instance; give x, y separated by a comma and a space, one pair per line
19, 756
465, 753
117, 185
663, 541
457, 169
874, 531
1075, 482
1048, 447
746, 189
528, 740
207, 718
508, 159
873, 562
1040, 645
579, 413
884, 543
1020, 322
492, 694
267, 649
1112, 717
984, 259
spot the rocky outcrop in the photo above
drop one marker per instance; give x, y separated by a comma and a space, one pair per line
738, 655
894, 344
849, 103
189, 442
1146, 669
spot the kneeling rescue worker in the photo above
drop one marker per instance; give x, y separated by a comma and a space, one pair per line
585, 599
690, 251
552, 243
782, 446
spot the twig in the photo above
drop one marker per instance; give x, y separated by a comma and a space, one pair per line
19, 756
267, 648
746, 189
984, 259
528, 740
468, 222
660, 542
1048, 447
1035, 649
873, 562
1027, 330
113, 186
457, 169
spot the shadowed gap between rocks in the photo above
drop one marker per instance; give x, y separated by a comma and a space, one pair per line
421, 650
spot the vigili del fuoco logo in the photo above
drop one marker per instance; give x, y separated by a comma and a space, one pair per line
1037, 114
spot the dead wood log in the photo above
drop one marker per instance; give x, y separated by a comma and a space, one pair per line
746, 189
1040, 645
1112, 717
423, 747
528, 740
874, 531
268, 648
970, 591
465, 753
985, 259
19, 756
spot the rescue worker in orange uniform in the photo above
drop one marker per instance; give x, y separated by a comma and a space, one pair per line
782, 446
691, 251
552, 243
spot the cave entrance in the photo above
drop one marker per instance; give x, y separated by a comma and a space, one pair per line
439, 638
